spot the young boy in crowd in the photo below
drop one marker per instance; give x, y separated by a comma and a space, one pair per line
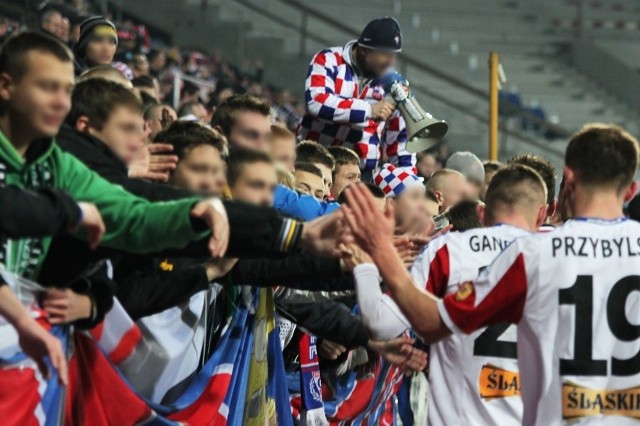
346, 171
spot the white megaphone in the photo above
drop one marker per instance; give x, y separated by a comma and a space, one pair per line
423, 130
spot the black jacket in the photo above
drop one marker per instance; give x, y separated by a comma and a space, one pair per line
255, 230
148, 286
25, 213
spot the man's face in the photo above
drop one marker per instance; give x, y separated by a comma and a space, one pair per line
54, 24
377, 63
283, 151
456, 189
256, 184
201, 170
140, 64
410, 206
161, 117
427, 166
122, 132
100, 51
431, 207
344, 176
327, 178
251, 130
40, 99
310, 184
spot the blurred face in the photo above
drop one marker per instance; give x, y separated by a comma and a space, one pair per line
256, 184
54, 24
39, 100
251, 130
140, 65
377, 63
488, 176
431, 207
161, 117
122, 132
327, 178
456, 189
310, 184
409, 206
343, 177
159, 61
201, 170
100, 51
283, 151
427, 166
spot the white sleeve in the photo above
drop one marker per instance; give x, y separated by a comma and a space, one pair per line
380, 314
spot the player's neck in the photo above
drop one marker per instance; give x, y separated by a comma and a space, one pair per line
596, 204
515, 220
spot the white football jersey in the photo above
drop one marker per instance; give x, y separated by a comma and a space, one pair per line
473, 379
575, 295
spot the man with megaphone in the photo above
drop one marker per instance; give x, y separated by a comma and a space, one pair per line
347, 106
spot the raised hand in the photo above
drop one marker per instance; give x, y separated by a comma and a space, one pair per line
401, 353
153, 162
371, 228
92, 221
64, 305
213, 213
325, 235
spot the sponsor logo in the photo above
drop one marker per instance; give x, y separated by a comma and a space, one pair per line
579, 401
465, 290
496, 382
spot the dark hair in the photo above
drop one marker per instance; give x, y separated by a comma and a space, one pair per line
309, 168
313, 152
492, 166
515, 184
603, 155
187, 135
225, 115
464, 216
144, 81
147, 101
544, 168
343, 156
14, 50
374, 189
188, 108
238, 157
97, 98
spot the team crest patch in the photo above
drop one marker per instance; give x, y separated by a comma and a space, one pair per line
465, 290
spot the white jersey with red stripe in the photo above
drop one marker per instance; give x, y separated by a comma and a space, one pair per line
575, 295
474, 379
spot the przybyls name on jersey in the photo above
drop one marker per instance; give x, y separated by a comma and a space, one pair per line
580, 401
595, 247
496, 382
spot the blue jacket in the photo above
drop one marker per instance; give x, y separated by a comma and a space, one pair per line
301, 206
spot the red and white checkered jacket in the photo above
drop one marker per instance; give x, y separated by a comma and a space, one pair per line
339, 112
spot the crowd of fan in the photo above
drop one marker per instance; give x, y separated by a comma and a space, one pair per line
235, 142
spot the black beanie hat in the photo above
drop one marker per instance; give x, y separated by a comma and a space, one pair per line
96, 25
382, 34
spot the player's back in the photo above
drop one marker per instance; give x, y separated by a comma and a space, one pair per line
474, 379
579, 336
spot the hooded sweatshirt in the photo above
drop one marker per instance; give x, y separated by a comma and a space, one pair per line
133, 224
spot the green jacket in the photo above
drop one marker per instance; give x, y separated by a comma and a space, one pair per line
133, 224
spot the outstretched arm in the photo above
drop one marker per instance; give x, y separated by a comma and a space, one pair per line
419, 307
